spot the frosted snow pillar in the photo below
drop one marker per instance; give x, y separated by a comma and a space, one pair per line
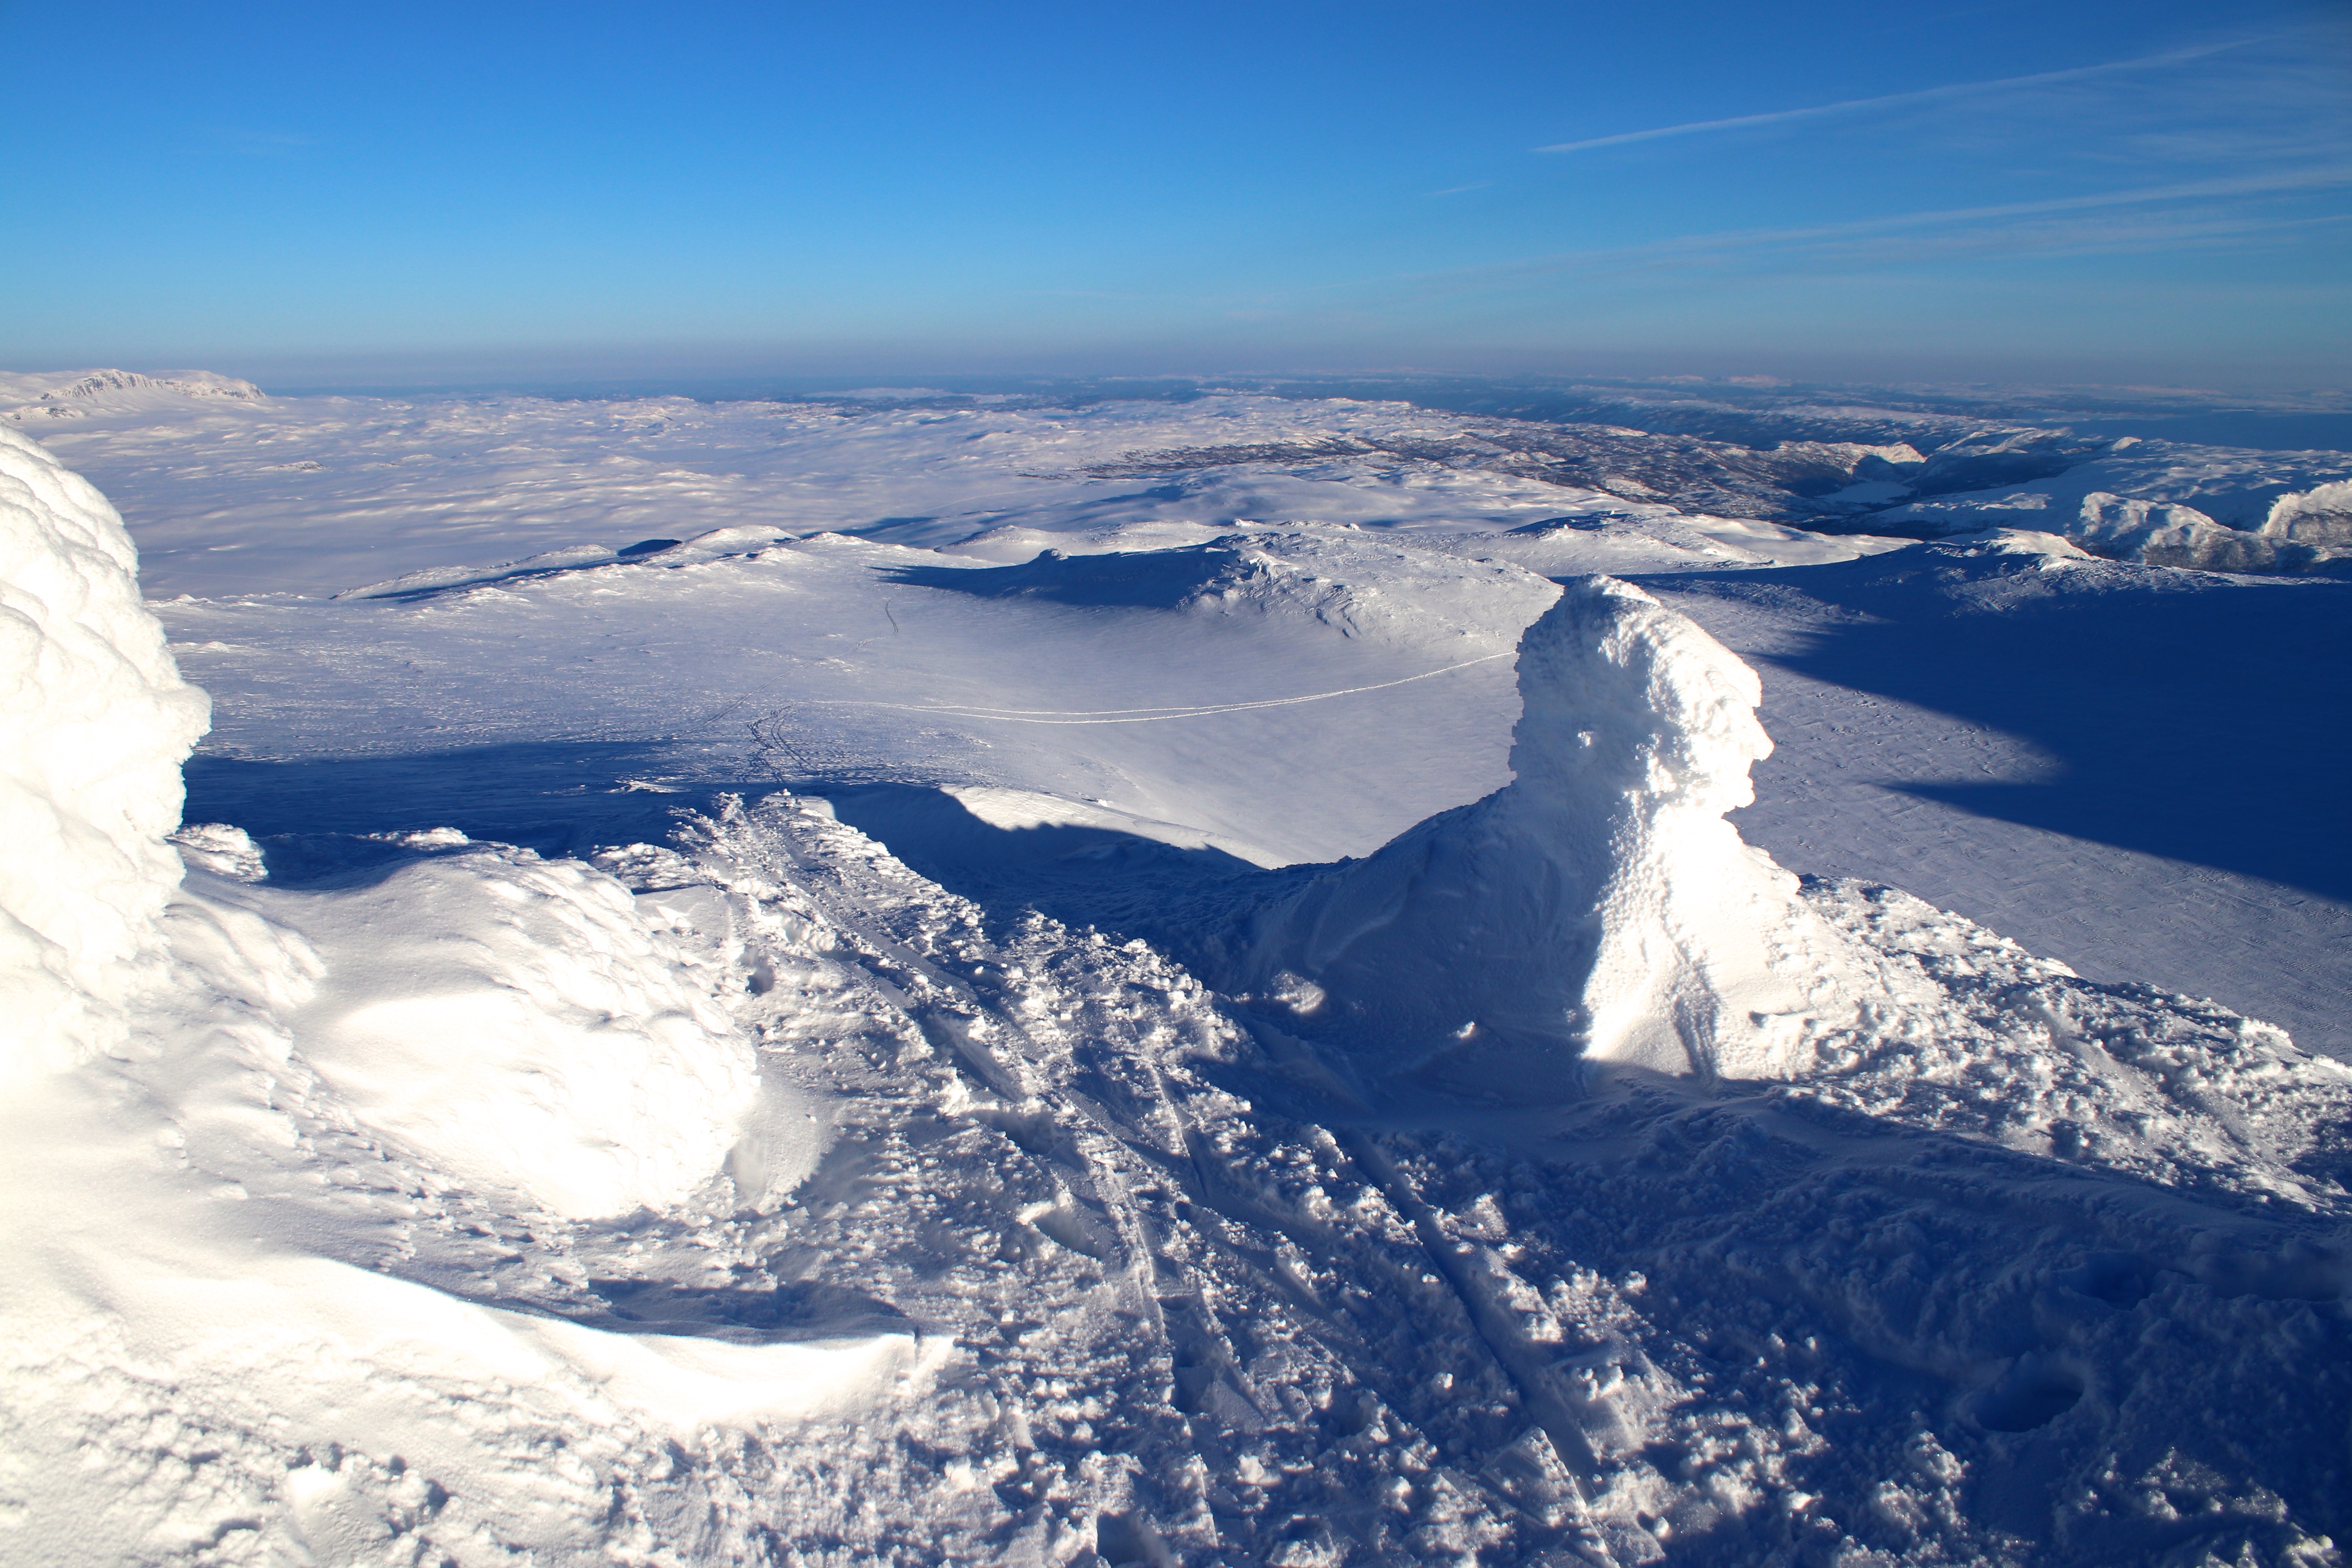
94, 724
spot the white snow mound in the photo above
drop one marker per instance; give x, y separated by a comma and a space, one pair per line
1599, 907
94, 720
516, 1021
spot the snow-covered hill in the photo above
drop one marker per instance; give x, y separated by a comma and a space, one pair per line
79, 395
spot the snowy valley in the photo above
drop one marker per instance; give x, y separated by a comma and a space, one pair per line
1250, 978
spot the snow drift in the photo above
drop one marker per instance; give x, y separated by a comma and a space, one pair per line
94, 720
1599, 907
517, 1021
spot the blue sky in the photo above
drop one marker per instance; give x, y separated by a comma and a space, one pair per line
2154, 190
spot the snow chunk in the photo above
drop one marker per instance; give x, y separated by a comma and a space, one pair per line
1599, 907
94, 720
222, 850
517, 1021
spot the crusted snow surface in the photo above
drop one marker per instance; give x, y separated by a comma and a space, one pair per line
1094, 1265
94, 720
379, 1239
2025, 1269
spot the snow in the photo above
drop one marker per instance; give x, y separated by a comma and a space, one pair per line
94, 720
75, 394
320, 495
515, 1021
319, 706
2321, 515
2170, 505
1038, 987
1948, 718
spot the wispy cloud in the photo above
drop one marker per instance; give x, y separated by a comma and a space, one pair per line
2207, 219
2192, 190
1894, 99
1459, 189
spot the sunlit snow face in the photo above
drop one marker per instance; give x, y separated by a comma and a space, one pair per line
1632, 697
517, 1021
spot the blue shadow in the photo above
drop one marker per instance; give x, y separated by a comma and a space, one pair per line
314, 817
2201, 722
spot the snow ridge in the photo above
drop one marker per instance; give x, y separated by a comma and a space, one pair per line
2163, 503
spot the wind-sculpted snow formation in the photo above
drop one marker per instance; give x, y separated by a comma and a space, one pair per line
1597, 908
94, 721
181, 1040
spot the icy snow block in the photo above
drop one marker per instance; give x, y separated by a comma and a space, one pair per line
1599, 907
94, 723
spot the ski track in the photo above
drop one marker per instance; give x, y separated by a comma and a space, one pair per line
1147, 716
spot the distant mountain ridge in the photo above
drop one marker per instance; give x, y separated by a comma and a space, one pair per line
1906, 466
75, 394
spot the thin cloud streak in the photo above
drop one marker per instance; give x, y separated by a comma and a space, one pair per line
1692, 250
2242, 185
1923, 95
2062, 235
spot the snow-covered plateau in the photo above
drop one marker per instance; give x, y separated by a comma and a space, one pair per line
1242, 980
